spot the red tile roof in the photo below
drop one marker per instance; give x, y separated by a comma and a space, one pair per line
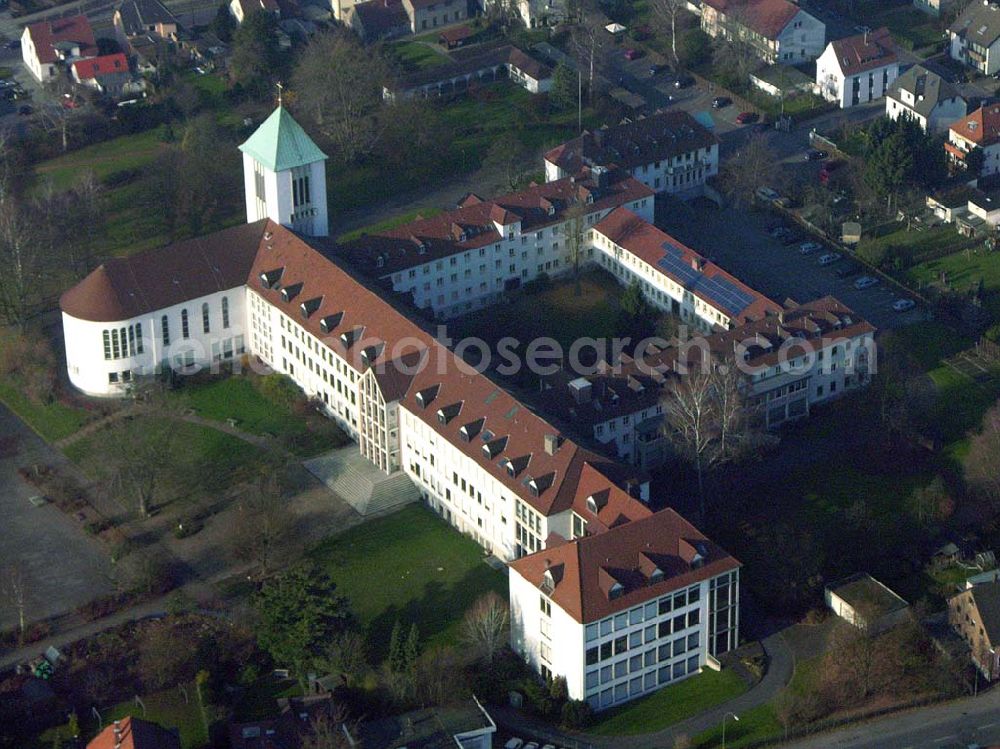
647, 242
46, 34
134, 733
982, 127
856, 54
94, 67
472, 225
585, 569
123, 288
767, 17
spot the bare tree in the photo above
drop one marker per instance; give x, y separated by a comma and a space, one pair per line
13, 587
437, 672
508, 156
345, 655
588, 43
484, 628
262, 524
574, 229
692, 423
666, 12
23, 259
753, 166
983, 457
331, 731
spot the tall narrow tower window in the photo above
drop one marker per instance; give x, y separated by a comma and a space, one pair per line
225, 312
185, 332
165, 329
205, 326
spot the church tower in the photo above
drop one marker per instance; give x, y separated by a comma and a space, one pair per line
284, 176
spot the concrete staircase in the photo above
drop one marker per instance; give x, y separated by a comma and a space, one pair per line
362, 485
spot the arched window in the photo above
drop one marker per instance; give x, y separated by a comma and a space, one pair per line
138, 338
204, 318
116, 351
225, 312
165, 330
185, 331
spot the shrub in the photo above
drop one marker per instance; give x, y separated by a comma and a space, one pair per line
577, 714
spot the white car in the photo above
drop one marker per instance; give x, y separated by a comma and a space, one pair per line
865, 282
549, 746
531, 745
766, 193
807, 247
829, 258
902, 305
514, 743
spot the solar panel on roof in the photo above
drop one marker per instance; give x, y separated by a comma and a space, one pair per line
722, 292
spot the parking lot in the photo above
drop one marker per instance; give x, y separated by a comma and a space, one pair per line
738, 239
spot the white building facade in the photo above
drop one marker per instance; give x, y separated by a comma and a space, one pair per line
926, 98
858, 69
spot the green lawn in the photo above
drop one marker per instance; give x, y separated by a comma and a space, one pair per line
389, 223
670, 704
203, 461
915, 244
52, 421
125, 152
963, 269
961, 402
753, 725
409, 566
260, 411
415, 55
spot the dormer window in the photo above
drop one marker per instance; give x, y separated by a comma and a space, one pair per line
656, 576
447, 413
470, 430
291, 291
509, 467
380, 262
350, 337
371, 353
552, 210
310, 305
427, 395
494, 447
330, 322
615, 591
270, 278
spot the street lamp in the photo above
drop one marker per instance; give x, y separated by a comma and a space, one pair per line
735, 717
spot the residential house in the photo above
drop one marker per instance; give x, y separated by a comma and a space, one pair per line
782, 81
430, 14
464, 725
525, 70
864, 602
108, 74
978, 131
622, 611
135, 733
950, 205
240, 9
975, 615
779, 30
468, 258
857, 69
975, 37
293, 722
669, 152
377, 19
144, 20
48, 46
925, 97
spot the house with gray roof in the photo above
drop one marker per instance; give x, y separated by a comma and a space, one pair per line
925, 97
975, 37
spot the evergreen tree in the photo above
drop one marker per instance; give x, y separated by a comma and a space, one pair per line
256, 62
397, 658
565, 87
411, 650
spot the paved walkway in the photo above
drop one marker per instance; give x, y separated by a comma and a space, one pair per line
779, 673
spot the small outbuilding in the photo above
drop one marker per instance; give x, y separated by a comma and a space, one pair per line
866, 603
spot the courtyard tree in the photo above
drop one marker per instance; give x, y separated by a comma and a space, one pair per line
262, 525
565, 88
255, 58
696, 48
667, 12
401, 663
337, 84
132, 453
636, 316
298, 613
509, 158
485, 626
575, 229
345, 654
754, 166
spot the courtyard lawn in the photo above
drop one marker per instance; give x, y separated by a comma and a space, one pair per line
917, 243
961, 402
123, 153
259, 410
412, 567
203, 461
963, 269
52, 421
416, 55
670, 704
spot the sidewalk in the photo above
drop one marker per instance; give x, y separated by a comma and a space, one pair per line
779, 673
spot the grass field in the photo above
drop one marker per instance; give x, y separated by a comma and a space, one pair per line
915, 244
174, 708
52, 421
412, 567
203, 461
753, 725
670, 704
390, 223
963, 269
416, 55
126, 152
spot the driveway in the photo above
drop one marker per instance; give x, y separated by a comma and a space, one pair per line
63, 567
737, 239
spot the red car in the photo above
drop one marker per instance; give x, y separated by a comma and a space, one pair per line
745, 118
633, 54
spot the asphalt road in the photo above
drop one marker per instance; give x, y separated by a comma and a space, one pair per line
971, 722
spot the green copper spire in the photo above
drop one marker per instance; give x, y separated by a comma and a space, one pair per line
280, 143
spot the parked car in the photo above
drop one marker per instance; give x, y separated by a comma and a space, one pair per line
767, 194
531, 745
846, 271
633, 54
683, 81
807, 248
902, 305
721, 102
865, 282
814, 154
24, 110
514, 743
780, 232
829, 258
747, 118
656, 69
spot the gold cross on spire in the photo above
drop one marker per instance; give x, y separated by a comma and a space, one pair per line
280, 88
